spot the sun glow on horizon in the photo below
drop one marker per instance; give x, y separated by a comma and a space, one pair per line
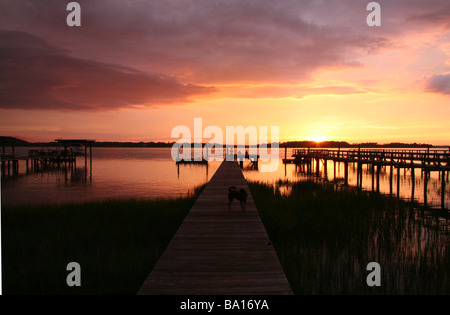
317, 138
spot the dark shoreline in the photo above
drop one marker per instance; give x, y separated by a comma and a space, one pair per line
290, 144
306, 144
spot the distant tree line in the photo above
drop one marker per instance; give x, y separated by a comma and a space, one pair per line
343, 144
289, 144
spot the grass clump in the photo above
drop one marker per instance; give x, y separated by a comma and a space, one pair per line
116, 243
326, 235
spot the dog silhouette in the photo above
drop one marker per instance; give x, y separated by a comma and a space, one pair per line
241, 195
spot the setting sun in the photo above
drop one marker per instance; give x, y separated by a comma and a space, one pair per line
317, 138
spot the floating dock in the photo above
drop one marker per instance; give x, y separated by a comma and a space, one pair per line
219, 251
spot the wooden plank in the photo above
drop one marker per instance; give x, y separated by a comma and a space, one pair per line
217, 251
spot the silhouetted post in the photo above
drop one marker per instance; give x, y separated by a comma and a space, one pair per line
346, 172
425, 188
334, 170
90, 162
65, 159
85, 161
373, 176
359, 170
357, 173
285, 152
378, 177
15, 167
443, 190
317, 166
413, 183
398, 181
361, 174
391, 176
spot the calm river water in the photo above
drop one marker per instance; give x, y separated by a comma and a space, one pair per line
151, 173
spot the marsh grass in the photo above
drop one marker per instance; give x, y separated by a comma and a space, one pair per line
325, 236
116, 243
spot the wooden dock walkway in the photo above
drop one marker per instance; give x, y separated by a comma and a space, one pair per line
218, 251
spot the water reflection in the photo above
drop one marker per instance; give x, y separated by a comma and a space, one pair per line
115, 173
403, 183
150, 173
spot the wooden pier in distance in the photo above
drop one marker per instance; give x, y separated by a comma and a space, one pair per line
229, 155
219, 251
64, 155
310, 160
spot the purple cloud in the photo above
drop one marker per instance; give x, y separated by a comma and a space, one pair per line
211, 41
439, 15
36, 75
439, 83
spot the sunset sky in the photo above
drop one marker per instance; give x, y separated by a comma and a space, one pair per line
136, 69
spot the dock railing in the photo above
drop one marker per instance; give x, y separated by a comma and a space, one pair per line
419, 157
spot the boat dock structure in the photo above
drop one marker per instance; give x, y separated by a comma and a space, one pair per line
63, 155
229, 155
310, 161
217, 250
